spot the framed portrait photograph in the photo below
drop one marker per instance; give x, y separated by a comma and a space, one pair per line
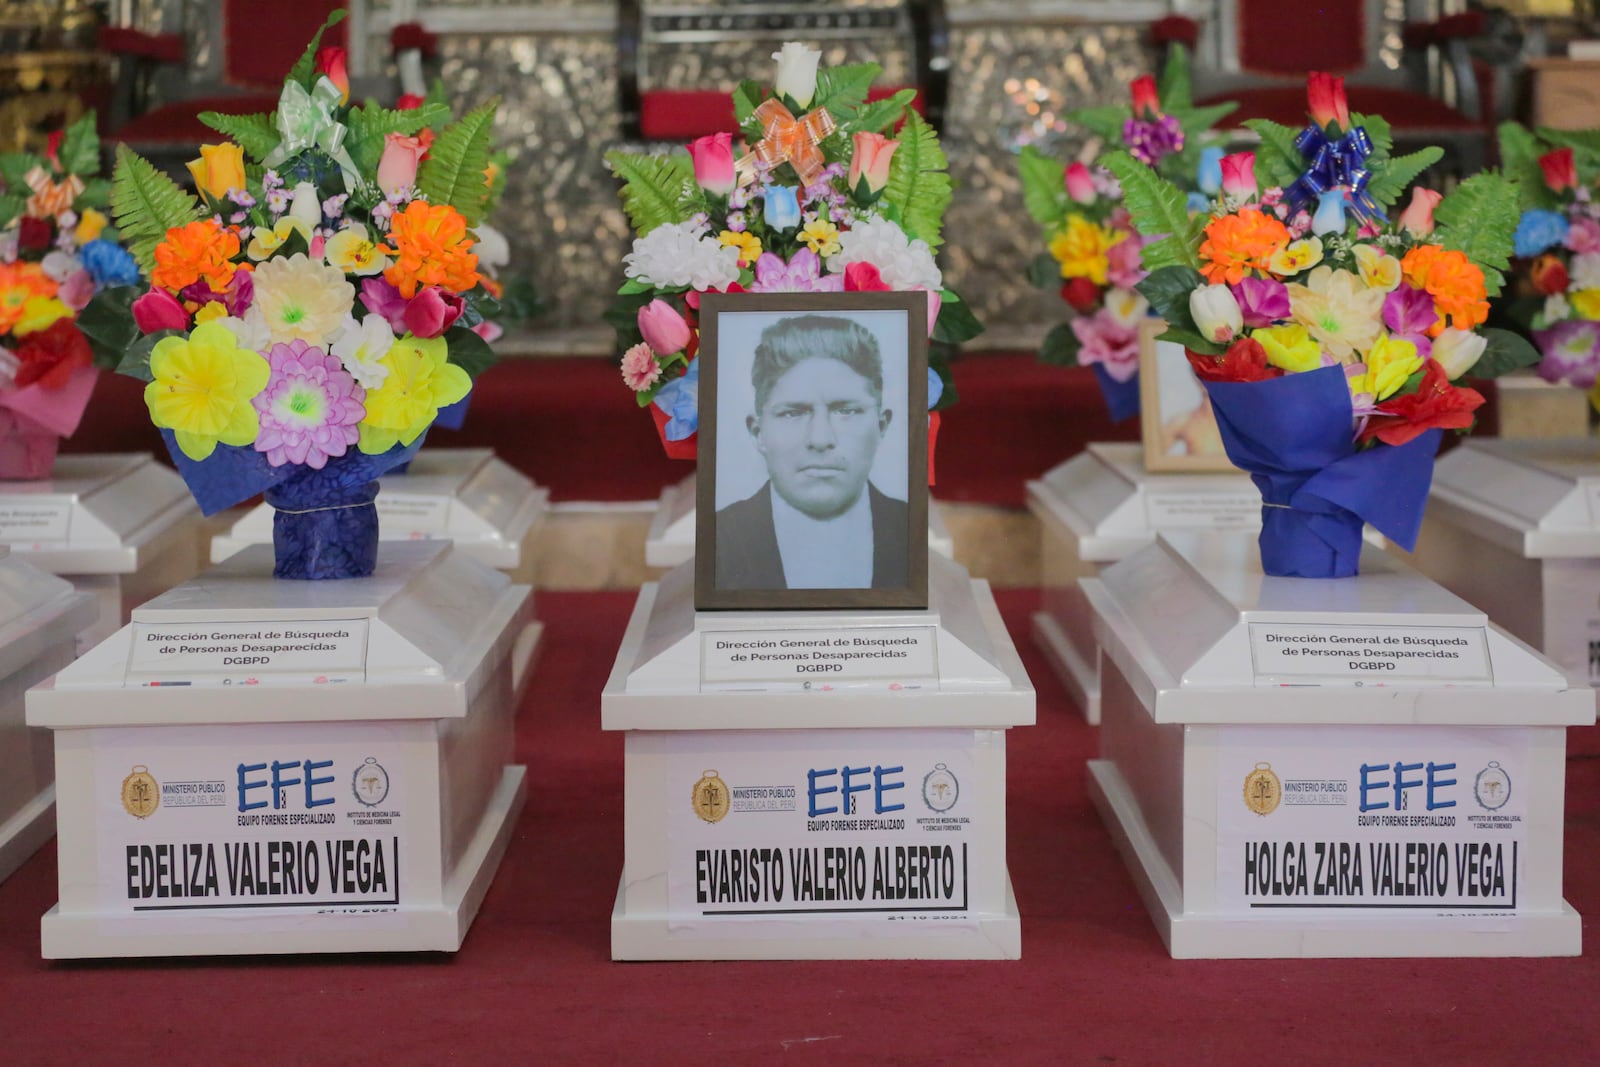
812, 485
1175, 418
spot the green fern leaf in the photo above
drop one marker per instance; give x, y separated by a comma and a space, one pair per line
305, 67
80, 148
1479, 219
256, 134
370, 125
1520, 150
1174, 88
146, 204
1104, 122
919, 188
1043, 187
880, 114
1278, 161
1160, 212
842, 90
1389, 180
656, 189
1196, 121
453, 173
1377, 128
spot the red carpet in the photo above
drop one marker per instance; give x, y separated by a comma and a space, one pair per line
534, 983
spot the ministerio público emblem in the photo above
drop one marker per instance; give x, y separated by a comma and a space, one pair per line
1262, 790
141, 793
710, 797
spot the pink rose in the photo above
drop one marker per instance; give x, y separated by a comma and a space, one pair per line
870, 161
663, 328
77, 290
1125, 262
1239, 175
432, 311
1584, 236
1080, 184
712, 156
397, 169
1417, 218
159, 310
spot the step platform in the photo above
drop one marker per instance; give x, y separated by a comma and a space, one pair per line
265, 766
120, 528
1098, 507
1313, 768
816, 785
1514, 528
40, 618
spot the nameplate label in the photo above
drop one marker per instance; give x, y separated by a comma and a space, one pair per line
1203, 511
1297, 654
30, 520
820, 659
411, 516
325, 652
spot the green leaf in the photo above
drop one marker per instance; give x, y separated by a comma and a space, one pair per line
1393, 176
1278, 162
1192, 339
80, 148
1168, 291
453, 173
956, 323
96, 193
1175, 85
623, 317
107, 323
469, 351
1507, 351
256, 134
14, 168
1585, 142
1198, 120
1104, 122
1160, 212
1044, 191
1061, 346
1479, 219
304, 70
746, 98
519, 302
146, 204
135, 362
879, 115
1377, 128
371, 125
11, 206
634, 285
655, 189
1520, 150
919, 188
842, 90
1044, 272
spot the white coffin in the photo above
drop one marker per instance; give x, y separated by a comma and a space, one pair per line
924, 729
40, 616
1514, 527
197, 795
489, 509
1239, 748
1097, 508
121, 528
670, 539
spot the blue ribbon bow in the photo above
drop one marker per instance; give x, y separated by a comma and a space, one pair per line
1334, 163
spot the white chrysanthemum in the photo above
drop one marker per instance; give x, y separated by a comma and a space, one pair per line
361, 345
901, 263
681, 253
302, 299
1556, 308
1585, 272
250, 332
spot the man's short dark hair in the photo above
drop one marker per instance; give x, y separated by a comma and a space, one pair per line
802, 337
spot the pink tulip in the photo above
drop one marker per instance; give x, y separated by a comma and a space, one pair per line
1325, 94
159, 310
1239, 175
397, 168
712, 156
381, 298
663, 328
1080, 184
432, 311
1417, 218
870, 161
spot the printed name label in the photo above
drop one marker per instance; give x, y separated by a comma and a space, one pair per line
252, 653
1203, 511
26, 521
412, 515
818, 659
1369, 655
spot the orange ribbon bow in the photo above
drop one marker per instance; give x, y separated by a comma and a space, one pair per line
786, 139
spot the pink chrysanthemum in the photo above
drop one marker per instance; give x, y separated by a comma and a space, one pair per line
310, 407
639, 368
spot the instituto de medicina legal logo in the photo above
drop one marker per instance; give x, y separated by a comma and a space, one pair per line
709, 797
141, 793
940, 790
1492, 787
1262, 790
370, 783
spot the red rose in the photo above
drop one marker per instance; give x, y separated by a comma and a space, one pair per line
1549, 275
1325, 94
1081, 294
409, 102
50, 356
1245, 361
1435, 404
33, 235
1560, 170
1146, 100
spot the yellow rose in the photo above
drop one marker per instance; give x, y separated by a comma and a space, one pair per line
1290, 347
90, 225
1586, 302
219, 169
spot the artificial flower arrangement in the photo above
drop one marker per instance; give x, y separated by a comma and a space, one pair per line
57, 250
1094, 249
1328, 336
311, 312
1557, 245
820, 201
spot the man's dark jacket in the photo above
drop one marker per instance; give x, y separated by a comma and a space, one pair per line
747, 543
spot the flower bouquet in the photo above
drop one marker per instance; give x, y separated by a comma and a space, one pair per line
1327, 335
1557, 245
56, 252
818, 200
310, 313
1094, 249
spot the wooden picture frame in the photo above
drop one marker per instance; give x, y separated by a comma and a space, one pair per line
1174, 412
771, 473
